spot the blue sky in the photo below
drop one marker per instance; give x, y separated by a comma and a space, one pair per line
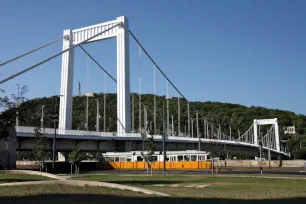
246, 52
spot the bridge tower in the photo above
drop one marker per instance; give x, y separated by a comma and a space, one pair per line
121, 32
273, 122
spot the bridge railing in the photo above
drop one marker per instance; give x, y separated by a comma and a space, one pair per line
25, 129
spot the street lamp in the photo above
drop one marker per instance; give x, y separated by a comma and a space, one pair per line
17, 105
42, 116
54, 117
191, 127
98, 117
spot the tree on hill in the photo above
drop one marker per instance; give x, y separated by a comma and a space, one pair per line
10, 109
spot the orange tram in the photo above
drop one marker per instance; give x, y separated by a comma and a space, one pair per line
176, 160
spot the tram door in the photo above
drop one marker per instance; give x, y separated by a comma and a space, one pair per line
172, 161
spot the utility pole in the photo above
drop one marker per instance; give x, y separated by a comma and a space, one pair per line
98, 117
86, 113
104, 105
164, 139
178, 116
145, 118
172, 127
42, 117
185, 131
188, 114
145, 125
230, 129
212, 131
18, 101
154, 114
139, 108
167, 97
269, 151
55, 119
219, 135
191, 127
198, 133
238, 135
204, 128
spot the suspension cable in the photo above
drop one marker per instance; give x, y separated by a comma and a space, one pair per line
56, 55
31, 51
144, 50
99, 65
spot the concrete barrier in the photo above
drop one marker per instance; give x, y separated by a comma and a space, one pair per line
256, 164
31, 173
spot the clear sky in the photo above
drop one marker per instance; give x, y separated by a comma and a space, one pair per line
246, 52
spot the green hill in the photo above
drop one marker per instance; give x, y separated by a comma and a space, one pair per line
226, 114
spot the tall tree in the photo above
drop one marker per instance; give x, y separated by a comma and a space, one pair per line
10, 109
39, 150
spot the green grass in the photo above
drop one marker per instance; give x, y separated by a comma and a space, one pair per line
220, 187
225, 190
8, 178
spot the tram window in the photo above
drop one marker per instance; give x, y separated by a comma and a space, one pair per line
116, 159
139, 158
180, 158
172, 158
154, 158
109, 159
208, 156
128, 159
187, 157
122, 159
193, 157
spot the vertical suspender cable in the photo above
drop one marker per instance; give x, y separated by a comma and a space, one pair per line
104, 104
167, 98
154, 114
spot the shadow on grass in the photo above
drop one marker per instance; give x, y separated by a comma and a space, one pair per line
145, 182
17, 180
98, 199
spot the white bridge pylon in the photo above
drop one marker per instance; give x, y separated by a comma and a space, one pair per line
121, 32
274, 122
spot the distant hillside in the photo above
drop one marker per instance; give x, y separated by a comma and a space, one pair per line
226, 114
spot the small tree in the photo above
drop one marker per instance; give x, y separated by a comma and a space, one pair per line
75, 159
39, 149
149, 156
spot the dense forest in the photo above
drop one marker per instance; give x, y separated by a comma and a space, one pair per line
226, 114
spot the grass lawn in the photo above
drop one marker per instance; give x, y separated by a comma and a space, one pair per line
224, 190
220, 187
8, 178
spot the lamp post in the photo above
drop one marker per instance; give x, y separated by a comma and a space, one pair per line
172, 127
191, 127
17, 105
42, 117
98, 117
54, 117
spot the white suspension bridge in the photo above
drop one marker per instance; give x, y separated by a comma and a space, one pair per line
124, 139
